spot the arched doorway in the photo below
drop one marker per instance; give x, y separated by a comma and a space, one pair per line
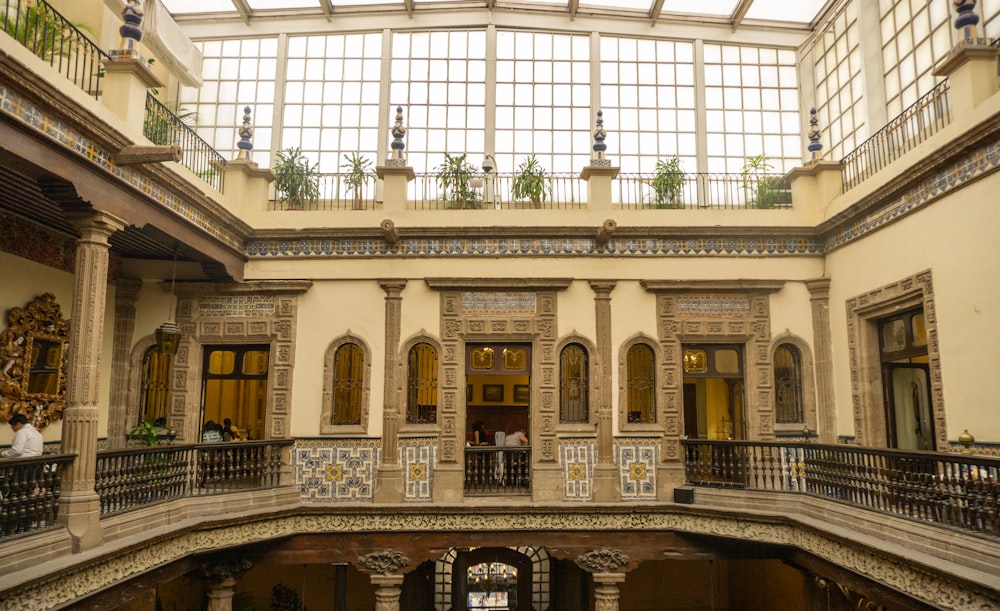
491, 579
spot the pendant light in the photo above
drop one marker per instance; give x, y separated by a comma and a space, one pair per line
168, 335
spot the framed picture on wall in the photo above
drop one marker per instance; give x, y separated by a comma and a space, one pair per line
522, 393
493, 392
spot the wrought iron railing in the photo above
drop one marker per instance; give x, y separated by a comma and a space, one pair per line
956, 490
334, 193
497, 470
46, 33
131, 478
163, 126
705, 191
29, 493
565, 191
924, 118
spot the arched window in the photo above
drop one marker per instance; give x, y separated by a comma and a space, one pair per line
574, 384
348, 384
640, 380
422, 384
155, 385
788, 384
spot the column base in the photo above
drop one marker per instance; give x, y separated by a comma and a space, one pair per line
81, 513
389, 484
607, 485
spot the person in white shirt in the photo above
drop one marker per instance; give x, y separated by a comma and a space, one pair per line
516, 438
27, 439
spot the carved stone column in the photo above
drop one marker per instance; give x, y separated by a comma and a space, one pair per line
606, 591
388, 584
389, 478
79, 505
605, 565
119, 418
819, 296
220, 595
607, 486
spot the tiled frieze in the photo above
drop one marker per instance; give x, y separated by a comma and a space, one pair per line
577, 458
636, 460
335, 470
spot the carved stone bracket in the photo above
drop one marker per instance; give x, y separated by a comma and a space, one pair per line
604, 560
225, 566
385, 562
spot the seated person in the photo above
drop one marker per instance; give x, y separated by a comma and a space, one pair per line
480, 434
27, 439
229, 431
515, 437
212, 432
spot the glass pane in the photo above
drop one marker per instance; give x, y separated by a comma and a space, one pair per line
255, 362
695, 361
918, 329
422, 385
482, 358
727, 361
894, 336
574, 388
348, 384
787, 384
641, 384
221, 362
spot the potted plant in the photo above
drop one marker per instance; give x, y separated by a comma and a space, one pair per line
530, 182
455, 177
762, 190
358, 171
667, 183
295, 180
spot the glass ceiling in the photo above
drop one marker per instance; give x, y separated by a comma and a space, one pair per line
798, 13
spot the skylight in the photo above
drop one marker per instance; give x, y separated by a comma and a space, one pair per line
178, 7
801, 11
719, 8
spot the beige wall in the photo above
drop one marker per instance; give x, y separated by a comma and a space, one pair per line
956, 240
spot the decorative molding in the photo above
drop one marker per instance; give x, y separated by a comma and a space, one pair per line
385, 562
604, 560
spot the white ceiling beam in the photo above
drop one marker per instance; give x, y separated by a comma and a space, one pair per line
654, 11
740, 12
409, 7
327, 7
573, 6
243, 9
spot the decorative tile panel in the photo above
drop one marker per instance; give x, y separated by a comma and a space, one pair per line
496, 303
236, 306
417, 458
335, 470
736, 306
636, 460
577, 459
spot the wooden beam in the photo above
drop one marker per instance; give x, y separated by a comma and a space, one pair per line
139, 154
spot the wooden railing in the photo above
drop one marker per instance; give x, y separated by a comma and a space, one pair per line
918, 122
29, 493
497, 470
956, 490
134, 477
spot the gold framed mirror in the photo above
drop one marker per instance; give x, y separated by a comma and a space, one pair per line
33, 362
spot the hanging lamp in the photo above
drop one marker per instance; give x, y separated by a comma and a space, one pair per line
168, 335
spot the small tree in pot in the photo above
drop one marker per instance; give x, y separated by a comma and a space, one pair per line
530, 182
358, 171
295, 180
668, 183
455, 176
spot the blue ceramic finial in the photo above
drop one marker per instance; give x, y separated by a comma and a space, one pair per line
967, 19
246, 136
398, 146
130, 30
815, 146
598, 158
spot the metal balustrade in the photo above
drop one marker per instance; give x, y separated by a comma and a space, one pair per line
497, 470
955, 490
29, 493
134, 477
162, 126
45, 32
921, 120
705, 191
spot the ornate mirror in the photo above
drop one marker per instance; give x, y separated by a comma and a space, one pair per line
33, 362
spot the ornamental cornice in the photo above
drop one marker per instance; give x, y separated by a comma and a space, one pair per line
906, 572
498, 284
